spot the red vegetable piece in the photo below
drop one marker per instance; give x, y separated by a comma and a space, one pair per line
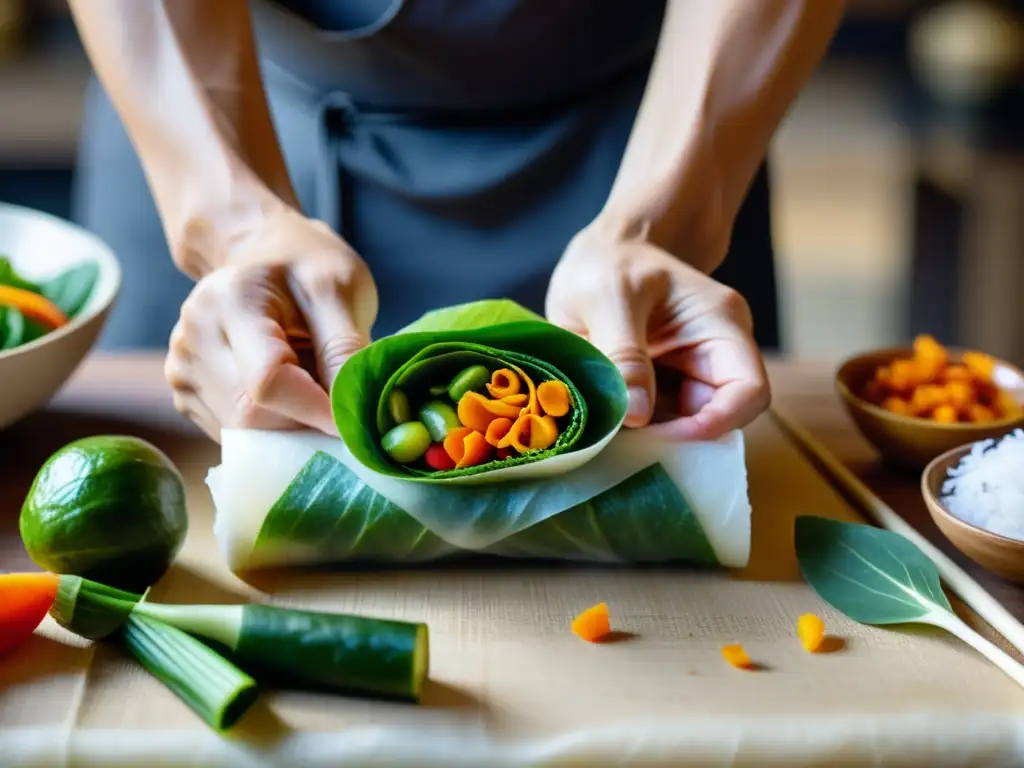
25, 599
437, 458
504, 453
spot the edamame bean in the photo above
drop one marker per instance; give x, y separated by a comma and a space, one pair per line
472, 379
439, 418
407, 442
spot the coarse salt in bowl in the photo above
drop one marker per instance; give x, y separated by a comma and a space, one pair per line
975, 495
986, 489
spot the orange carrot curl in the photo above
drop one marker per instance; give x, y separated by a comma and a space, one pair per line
593, 624
25, 599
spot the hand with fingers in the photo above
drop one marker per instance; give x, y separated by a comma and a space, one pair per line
642, 306
234, 354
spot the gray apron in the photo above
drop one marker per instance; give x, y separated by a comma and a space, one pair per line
457, 145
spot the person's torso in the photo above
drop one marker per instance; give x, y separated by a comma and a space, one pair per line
459, 54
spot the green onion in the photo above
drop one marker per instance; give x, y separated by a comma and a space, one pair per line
90, 609
214, 688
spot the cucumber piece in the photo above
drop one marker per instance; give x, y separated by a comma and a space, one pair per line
472, 379
439, 418
355, 654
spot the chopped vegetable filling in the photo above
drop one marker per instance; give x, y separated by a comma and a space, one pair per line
502, 423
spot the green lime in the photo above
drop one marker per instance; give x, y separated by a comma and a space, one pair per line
108, 508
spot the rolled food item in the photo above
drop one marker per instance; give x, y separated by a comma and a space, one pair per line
480, 429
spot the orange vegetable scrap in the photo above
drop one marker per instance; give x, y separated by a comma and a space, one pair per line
737, 656
467, 447
593, 624
811, 631
531, 433
33, 306
554, 398
477, 411
504, 383
25, 598
933, 385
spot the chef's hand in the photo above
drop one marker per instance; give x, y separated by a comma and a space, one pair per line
233, 359
639, 305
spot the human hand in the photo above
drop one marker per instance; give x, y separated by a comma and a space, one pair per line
640, 306
234, 359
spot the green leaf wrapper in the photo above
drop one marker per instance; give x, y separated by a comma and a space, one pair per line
599, 493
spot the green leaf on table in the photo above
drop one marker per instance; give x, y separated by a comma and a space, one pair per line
880, 577
71, 289
871, 575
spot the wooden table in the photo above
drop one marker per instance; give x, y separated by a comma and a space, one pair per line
127, 393
507, 678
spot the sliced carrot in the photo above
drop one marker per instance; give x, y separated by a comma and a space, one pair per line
531, 433
455, 442
476, 451
467, 447
477, 412
25, 599
33, 306
593, 624
811, 631
737, 656
504, 383
554, 398
497, 430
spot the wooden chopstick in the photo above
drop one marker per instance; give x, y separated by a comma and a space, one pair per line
955, 577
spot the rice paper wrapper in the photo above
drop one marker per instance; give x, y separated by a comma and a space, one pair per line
296, 499
599, 493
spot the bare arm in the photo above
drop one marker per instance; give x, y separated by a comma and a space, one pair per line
723, 78
184, 77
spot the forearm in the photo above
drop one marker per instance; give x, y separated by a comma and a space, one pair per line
724, 75
184, 77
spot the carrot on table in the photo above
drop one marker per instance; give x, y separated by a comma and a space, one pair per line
737, 656
593, 624
811, 631
25, 599
33, 306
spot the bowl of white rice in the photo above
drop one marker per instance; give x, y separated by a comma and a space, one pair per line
975, 494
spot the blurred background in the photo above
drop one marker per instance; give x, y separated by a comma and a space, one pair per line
898, 177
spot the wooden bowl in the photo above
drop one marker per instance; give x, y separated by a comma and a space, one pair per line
995, 553
906, 441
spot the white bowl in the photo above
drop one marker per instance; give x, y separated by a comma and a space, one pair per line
41, 246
